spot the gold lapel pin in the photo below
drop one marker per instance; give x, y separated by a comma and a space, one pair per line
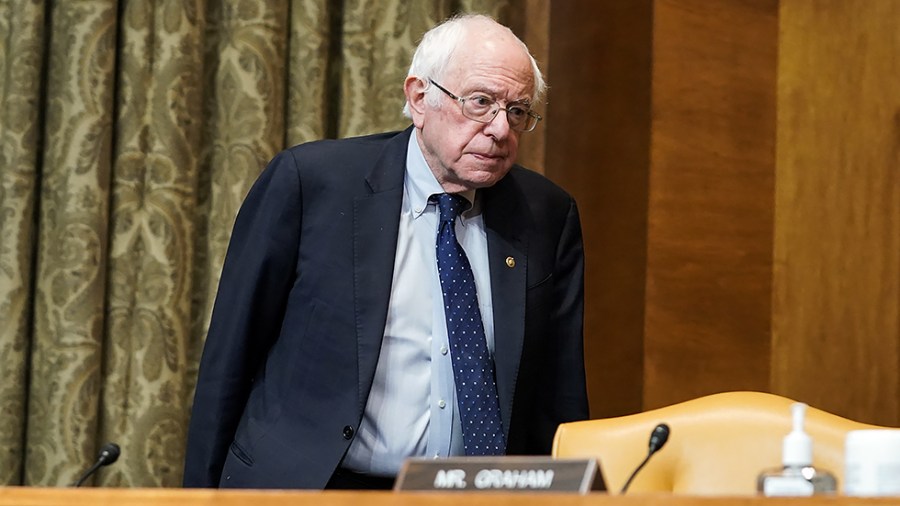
510, 262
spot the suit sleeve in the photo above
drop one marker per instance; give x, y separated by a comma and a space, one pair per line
259, 269
569, 399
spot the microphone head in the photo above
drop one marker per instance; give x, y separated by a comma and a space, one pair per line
108, 454
658, 437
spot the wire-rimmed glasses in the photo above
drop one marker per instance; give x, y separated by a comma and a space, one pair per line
483, 108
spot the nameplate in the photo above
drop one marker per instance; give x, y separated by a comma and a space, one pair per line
500, 474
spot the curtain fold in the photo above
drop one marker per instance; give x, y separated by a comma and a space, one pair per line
130, 132
157, 155
73, 224
309, 68
21, 57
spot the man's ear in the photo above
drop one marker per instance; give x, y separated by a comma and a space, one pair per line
414, 89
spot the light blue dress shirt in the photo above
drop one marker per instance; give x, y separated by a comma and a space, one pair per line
411, 410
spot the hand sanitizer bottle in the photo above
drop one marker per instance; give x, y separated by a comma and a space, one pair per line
797, 477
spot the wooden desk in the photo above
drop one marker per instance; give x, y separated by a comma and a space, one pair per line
25, 496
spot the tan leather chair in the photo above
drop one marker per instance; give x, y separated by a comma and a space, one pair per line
717, 446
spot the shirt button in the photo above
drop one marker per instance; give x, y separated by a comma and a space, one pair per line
443, 350
348, 432
442, 404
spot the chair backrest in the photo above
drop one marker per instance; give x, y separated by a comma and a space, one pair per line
717, 446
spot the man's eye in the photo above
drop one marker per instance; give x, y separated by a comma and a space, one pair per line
518, 112
481, 100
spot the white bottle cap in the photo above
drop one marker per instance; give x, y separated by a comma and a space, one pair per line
797, 448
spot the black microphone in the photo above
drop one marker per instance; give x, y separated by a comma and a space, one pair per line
658, 439
108, 454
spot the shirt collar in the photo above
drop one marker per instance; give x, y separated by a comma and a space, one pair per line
420, 183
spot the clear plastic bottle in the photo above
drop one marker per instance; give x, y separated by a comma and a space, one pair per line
797, 476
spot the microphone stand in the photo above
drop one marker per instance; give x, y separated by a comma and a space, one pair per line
658, 438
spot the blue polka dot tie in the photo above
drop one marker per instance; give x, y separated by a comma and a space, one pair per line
473, 368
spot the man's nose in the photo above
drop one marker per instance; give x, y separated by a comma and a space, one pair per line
499, 126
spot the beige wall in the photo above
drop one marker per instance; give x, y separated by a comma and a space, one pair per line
737, 166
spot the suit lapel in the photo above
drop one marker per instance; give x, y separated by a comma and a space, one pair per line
506, 220
376, 222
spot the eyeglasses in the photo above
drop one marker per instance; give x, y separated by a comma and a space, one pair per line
482, 108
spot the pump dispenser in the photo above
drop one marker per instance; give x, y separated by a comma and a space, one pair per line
797, 476
796, 451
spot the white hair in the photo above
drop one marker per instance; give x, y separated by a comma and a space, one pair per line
432, 56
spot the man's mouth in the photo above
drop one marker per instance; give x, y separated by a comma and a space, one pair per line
487, 156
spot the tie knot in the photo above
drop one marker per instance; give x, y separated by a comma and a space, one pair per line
451, 205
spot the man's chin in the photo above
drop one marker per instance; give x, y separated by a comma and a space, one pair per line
486, 178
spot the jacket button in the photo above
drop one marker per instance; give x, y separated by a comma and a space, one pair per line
348, 432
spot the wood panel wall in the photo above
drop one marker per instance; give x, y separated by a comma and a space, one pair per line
836, 310
597, 147
530, 21
711, 193
737, 166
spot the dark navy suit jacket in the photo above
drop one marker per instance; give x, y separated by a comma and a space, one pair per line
302, 303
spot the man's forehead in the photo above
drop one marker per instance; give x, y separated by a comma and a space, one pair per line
484, 80
521, 92
494, 76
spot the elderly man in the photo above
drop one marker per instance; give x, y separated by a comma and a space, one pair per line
399, 295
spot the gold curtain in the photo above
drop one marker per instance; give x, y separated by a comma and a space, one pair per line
130, 131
